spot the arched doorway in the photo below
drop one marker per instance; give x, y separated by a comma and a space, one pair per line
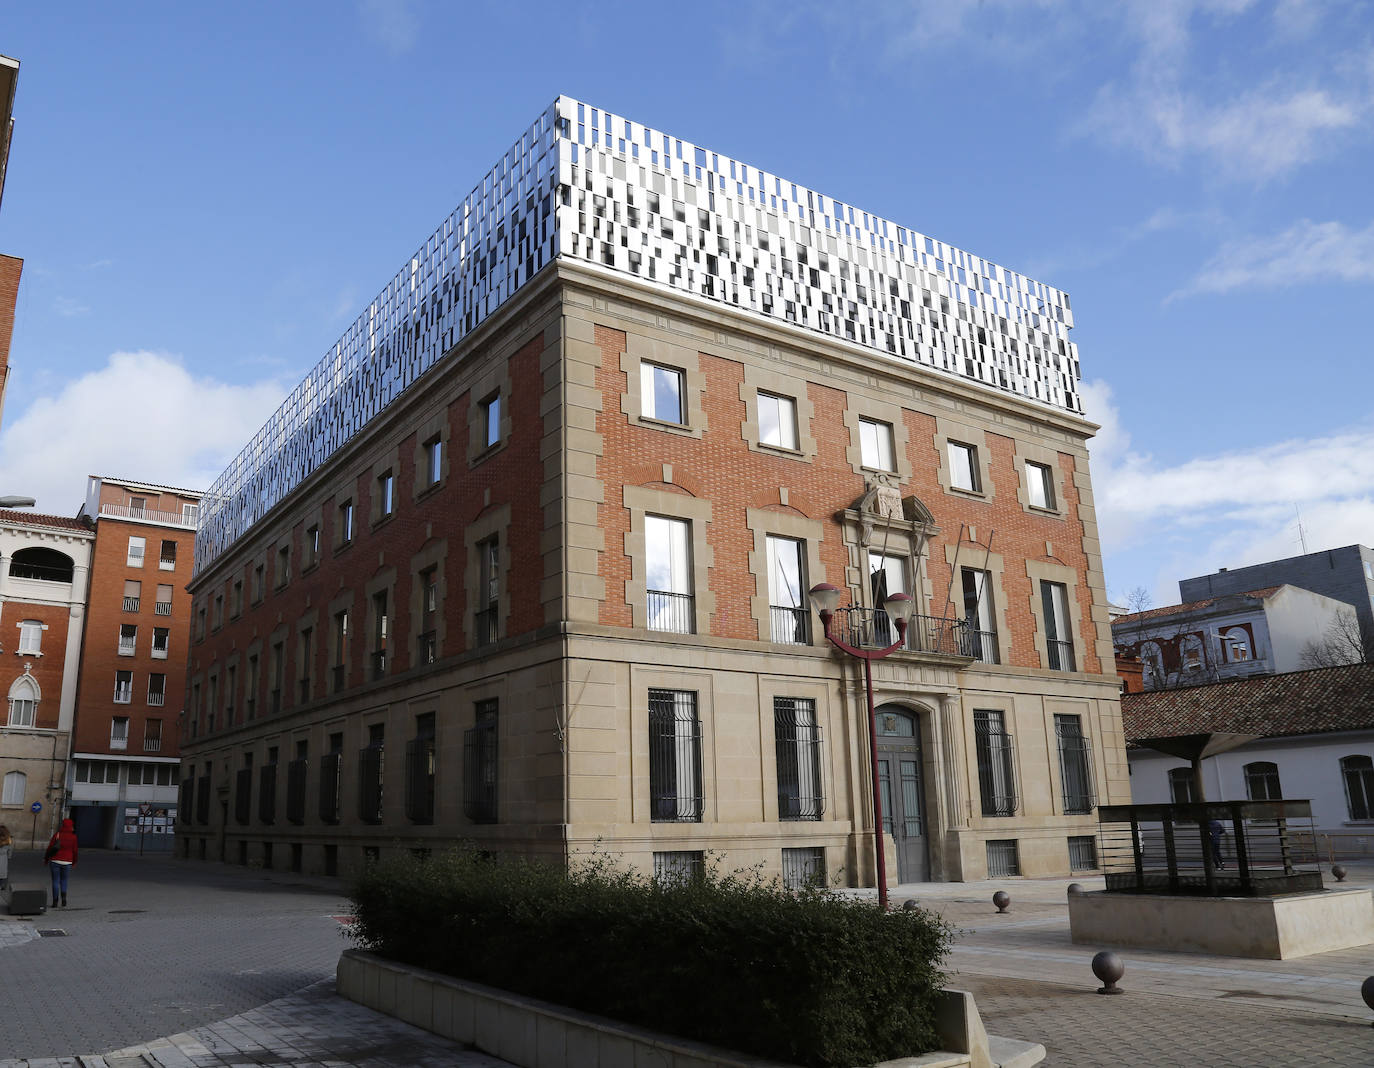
899, 764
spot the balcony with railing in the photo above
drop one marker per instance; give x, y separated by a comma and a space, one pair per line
152, 745
123, 695
162, 608
22, 569
127, 646
672, 612
983, 645
149, 515
869, 628
131, 604
156, 698
790, 626
1060, 655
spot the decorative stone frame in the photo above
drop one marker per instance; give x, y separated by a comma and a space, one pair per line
437, 425
759, 379
1027, 452
494, 382
666, 835
947, 430
343, 601
867, 528
642, 349
389, 462
971, 556
697, 512
435, 555
492, 522
834, 745
786, 524
862, 407
382, 580
1041, 571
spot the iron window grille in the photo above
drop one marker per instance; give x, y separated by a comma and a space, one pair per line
996, 764
479, 766
1075, 765
677, 867
203, 800
296, 773
267, 793
801, 795
370, 784
1262, 781
243, 795
803, 867
1003, 858
1082, 853
420, 780
675, 793
331, 772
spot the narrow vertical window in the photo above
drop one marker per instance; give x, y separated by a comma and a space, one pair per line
1181, 786
797, 738
978, 614
886, 575
1054, 602
345, 522
1357, 772
31, 637
963, 467
124, 687
788, 612
479, 764
996, 768
491, 420
668, 575
381, 625
434, 461
674, 757
1262, 781
386, 494
1075, 764
136, 549
1039, 485
428, 638
777, 421
875, 445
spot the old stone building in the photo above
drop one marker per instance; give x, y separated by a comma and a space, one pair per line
524, 561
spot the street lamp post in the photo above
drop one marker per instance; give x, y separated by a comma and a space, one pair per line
825, 598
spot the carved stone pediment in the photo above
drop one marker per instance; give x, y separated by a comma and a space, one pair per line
882, 505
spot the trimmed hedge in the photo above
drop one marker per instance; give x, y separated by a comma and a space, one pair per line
812, 978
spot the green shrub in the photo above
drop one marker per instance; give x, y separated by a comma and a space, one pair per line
810, 977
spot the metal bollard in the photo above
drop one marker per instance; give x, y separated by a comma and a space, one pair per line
1001, 899
1108, 967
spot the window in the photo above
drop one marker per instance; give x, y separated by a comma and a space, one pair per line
296, 774
679, 866
267, 788
152, 733
345, 522
661, 393
137, 505
803, 867
1075, 765
777, 421
1358, 773
283, 575
119, 732
886, 576
190, 513
278, 675
331, 778
479, 765
996, 774
16, 788
674, 757
230, 692
163, 605
668, 575
1054, 601
1181, 786
488, 590
491, 420
380, 626
1003, 858
136, 547
1235, 644
30, 637
978, 614
797, 738
124, 687
434, 460
250, 688
23, 699
161, 641
419, 783
386, 494
307, 655
370, 761
157, 689
875, 445
963, 467
788, 611
1192, 653
428, 639
340, 648
236, 599
312, 545
1262, 781
133, 595
1039, 485
258, 584
217, 616
167, 556
1082, 852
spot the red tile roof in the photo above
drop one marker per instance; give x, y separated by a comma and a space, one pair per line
1296, 702
1192, 606
38, 519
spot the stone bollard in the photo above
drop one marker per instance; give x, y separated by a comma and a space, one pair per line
1367, 992
1075, 888
1338, 870
1108, 967
1001, 899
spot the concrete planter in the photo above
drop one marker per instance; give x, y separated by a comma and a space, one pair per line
537, 1034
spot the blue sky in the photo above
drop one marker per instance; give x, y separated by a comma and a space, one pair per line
205, 197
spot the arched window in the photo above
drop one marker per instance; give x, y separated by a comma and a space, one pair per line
1358, 773
16, 787
1181, 786
45, 564
1262, 781
24, 695
1236, 643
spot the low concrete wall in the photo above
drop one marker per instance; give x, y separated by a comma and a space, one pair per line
536, 1034
1272, 928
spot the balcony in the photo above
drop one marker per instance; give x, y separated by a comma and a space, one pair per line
1060, 655
39, 572
123, 695
149, 515
152, 745
127, 646
135, 558
131, 604
790, 626
167, 563
868, 628
162, 608
984, 646
159, 653
156, 699
672, 612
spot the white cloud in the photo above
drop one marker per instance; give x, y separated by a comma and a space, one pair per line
69, 307
143, 415
1306, 252
392, 23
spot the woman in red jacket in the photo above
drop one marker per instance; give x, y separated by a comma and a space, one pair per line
61, 855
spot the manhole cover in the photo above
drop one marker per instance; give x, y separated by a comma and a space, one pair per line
51, 932
125, 912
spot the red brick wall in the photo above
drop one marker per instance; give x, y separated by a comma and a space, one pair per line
10, 269
46, 669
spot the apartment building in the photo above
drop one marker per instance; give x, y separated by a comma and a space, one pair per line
122, 779
524, 561
45, 565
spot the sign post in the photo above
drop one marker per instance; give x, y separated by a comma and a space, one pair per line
35, 808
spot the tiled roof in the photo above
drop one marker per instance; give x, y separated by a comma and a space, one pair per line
1297, 702
1191, 606
137, 482
38, 519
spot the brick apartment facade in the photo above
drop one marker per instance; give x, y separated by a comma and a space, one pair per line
44, 570
122, 782
552, 599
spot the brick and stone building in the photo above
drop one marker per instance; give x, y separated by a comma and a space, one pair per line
11, 267
44, 570
524, 561
122, 780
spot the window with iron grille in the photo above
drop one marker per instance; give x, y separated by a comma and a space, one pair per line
1075, 765
674, 757
996, 764
801, 795
679, 866
1262, 781
267, 792
296, 773
1358, 775
420, 771
1003, 858
243, 794
803, 867
1082, 853
370, 759
331, 772
479, 765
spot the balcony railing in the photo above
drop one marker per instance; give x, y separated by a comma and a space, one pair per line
135, 558
175, 519
162, 608
672, 612
790, 625
159, 654
156, 699
983, 644
123, 695
428, 647
42, 573
379, 664
152, 745
167, 563
127, 646
1060, 654
131, 604
119, 742
486, 625
868, 628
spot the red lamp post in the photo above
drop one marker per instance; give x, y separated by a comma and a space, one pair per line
825, 598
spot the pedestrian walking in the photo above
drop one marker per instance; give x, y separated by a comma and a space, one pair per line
1214, 831
6, 849
61, 856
